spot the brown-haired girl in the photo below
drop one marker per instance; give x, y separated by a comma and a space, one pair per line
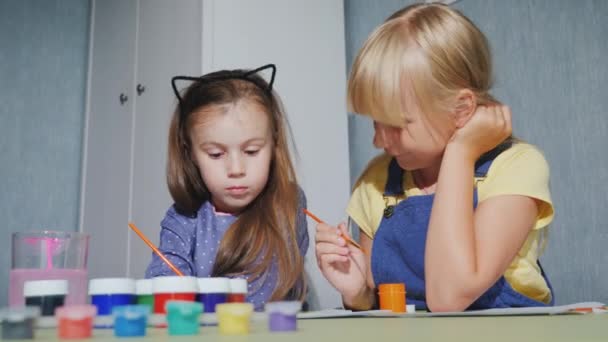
238, 207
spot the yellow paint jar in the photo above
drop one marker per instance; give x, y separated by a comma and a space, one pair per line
233, 318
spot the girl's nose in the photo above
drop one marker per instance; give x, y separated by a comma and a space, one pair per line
380, 135
236, 168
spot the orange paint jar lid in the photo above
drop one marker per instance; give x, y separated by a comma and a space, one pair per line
388, 288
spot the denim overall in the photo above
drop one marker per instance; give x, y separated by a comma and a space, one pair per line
399, 244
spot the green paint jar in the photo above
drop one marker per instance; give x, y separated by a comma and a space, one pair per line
183, 317
143, 291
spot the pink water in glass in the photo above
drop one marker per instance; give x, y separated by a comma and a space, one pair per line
77, 280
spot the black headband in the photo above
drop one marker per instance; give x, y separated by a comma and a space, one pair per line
241, 75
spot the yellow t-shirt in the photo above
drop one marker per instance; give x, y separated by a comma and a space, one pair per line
520, 170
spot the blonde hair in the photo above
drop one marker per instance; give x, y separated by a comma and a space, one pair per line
426, 51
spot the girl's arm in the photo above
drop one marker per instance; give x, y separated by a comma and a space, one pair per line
302, 224
468, 250
345, 266
177, 238
367, 299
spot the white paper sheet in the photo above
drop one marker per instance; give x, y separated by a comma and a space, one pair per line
551, 310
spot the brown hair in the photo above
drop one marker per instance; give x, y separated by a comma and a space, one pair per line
265, 231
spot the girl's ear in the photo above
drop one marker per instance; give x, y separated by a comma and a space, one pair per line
466, 104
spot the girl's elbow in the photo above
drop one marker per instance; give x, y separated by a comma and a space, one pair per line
446, 301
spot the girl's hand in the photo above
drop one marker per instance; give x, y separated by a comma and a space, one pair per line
342, 264
487, 127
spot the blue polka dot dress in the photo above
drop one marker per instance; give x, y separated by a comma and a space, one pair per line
191, 245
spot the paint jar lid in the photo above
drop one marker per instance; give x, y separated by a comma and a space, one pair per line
284, 307
183, 307
76, 312
234, 309
35, 288
143, 287
238, 285
174, 284
388, 288
213, 285
108, 286
131, 312
19, 314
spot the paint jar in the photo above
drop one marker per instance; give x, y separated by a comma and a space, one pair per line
106, 293
130, 320
238, 290
282, 315
183, 317
75, 321
173, 288
18, 322
144, 293
233, 318
213, 291
48, 295
392, 297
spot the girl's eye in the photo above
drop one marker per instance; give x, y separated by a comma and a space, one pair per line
216, 155
252, 152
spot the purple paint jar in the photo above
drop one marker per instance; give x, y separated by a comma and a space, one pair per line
282, 315
213, 291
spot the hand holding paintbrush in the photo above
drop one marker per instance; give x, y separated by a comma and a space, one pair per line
344, 236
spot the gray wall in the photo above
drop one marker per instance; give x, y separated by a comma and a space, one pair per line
550, 68
43, 64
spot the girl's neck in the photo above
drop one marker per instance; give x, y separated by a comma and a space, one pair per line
219, 212
426, 179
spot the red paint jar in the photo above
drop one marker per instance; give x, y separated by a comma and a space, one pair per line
173, 288
75, 321
238, 290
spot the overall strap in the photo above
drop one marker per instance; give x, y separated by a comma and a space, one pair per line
394, 182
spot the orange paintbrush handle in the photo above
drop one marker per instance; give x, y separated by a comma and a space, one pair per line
160, 255
312, 216
351, 241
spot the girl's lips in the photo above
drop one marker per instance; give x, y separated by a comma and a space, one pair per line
237, 190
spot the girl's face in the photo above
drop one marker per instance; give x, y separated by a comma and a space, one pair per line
233, 147
419, 144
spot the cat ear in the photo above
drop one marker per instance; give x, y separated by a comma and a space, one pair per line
262, 68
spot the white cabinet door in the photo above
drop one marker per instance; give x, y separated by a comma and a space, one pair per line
107, 137
305, 39
168, 44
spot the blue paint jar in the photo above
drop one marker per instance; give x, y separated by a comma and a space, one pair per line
106, 293
213, 291
130, 320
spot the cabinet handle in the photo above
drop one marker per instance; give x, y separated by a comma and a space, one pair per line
123, 98
140, 89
